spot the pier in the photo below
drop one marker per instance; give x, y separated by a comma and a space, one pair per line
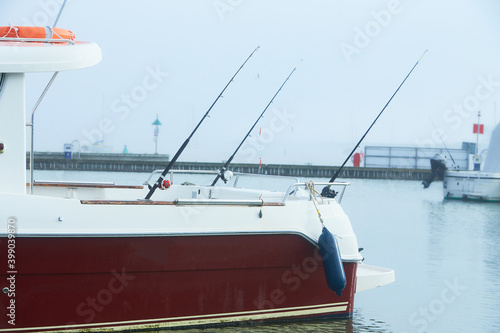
150, 162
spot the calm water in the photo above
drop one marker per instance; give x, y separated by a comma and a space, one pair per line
446, 256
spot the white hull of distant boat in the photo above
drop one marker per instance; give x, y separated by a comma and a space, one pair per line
481, 185
471, 185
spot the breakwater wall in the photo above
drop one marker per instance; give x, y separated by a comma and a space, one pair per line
148, 163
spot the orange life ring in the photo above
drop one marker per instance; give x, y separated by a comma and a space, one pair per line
36, 32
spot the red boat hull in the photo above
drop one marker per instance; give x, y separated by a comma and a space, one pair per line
172, 281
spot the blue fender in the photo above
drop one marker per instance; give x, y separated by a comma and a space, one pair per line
332, 262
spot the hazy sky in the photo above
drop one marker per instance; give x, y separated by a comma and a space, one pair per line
172, 58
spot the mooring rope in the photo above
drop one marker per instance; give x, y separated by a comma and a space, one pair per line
310, 187
313, 192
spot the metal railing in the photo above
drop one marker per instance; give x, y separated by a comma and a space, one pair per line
236, 175
291, 191
40, 40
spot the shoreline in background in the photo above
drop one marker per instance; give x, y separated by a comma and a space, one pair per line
151, 162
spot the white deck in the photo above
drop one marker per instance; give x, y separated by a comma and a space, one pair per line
369, 277
82, 210
99, 210
25, 57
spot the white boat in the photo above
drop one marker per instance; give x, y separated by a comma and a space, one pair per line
481, 185
86, 256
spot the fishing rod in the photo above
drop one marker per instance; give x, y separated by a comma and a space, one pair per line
329, 193
444, 144
181, 149
222, 171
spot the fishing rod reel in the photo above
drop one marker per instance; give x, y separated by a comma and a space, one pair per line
226, 175
327, 192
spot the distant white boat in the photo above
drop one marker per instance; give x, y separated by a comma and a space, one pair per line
477, 185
